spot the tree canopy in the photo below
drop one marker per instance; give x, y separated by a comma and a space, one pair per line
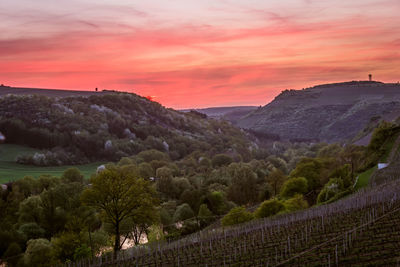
119, 194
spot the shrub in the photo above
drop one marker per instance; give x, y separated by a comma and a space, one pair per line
294, 186
297, 202
269, 208
236, 215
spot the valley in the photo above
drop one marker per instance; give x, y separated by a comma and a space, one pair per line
212, 194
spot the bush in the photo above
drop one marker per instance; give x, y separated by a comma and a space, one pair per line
183, 212
236, 215
269, 208
39, 253
294, 186
295, 203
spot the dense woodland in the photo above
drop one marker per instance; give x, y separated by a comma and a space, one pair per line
157, 191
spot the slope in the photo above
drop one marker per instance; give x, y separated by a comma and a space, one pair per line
359, 230
84, 129
232, 114
331, 112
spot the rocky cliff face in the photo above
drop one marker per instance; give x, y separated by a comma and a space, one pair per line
330, 113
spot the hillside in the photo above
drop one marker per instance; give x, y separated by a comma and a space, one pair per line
330, 113
109, 126
337, 234
232, 114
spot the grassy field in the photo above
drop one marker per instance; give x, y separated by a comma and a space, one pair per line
10, 170
363, 178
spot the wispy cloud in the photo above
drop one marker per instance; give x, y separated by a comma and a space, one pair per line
224, 53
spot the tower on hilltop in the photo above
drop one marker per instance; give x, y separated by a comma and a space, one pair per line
370, 77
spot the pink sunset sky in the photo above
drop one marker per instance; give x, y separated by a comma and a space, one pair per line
198, 53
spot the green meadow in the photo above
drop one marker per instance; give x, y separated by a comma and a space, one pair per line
10, 170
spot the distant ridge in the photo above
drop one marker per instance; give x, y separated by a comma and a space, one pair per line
5, 90
232, 114
330, 112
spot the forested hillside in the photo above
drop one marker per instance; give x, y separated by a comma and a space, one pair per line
74, 130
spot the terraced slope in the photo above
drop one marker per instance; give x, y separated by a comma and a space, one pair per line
361, 230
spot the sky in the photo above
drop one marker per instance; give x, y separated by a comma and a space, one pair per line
198, 53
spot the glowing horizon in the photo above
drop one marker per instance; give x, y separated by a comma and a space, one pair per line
192, 54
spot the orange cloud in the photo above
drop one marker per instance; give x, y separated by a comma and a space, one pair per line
186, 64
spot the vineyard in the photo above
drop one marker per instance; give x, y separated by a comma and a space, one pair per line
361, 230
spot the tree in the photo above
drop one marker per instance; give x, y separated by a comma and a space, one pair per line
269, 208
236, 215
216, 202
71, 175
30, 210
153, 154
243, 188
294, 186
221, 160
36, 251
276, 179
164, 181
329, 151
265, 192
119, 195
205, 215
278, 163
64, 245
183, 212
31, 230
138, 225
145, 170
352, 155
12, 254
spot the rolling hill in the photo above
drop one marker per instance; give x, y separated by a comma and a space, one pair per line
329, 113
76, 127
